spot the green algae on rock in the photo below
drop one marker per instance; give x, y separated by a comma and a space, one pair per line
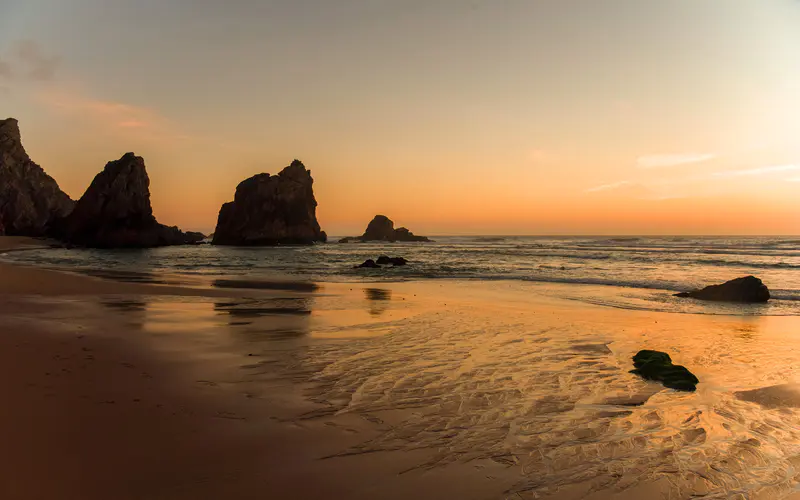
657, 366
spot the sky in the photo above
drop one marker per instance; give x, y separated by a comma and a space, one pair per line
449, 116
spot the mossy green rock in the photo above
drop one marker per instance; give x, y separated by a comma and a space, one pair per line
657, 366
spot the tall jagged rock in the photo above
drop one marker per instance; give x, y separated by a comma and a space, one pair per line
115, 211
30, 200
381, 228
271, 210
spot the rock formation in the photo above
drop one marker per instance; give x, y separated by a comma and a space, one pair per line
747, 290
656, 365
395, 261
383, 260
369, 263
30, 200
381, 228
194, 236
115, 211
271, 210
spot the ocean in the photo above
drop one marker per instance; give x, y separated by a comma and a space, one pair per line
625, 272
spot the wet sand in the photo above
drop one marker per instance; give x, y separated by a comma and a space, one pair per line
404, 390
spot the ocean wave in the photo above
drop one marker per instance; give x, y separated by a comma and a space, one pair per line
757, 265
560, 260
785, 295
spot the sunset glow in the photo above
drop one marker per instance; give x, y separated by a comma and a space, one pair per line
452, 117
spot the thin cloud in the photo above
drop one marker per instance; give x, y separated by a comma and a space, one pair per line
114, 117
755, 171
124, 120
640, 190
672, 160
36, 65
672, 188
610, 186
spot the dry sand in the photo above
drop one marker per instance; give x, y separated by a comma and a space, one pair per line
402, 391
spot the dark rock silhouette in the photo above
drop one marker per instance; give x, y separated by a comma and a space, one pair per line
30, 200
369, 263
381, 228
271, 210
115, 211
395, 261
746, 290
657, 366
194, 237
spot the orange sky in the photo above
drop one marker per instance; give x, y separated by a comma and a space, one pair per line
451, 117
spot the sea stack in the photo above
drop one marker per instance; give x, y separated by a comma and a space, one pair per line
30, 200
271, 210
381, 228
115, 211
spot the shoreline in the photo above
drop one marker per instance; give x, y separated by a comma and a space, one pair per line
585, 282
366, 390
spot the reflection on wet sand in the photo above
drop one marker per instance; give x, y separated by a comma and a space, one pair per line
295, 286
125, 305
378, 300
132, 277
536, 386
257, 308
275, 319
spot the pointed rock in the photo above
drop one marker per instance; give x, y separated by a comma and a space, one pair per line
271, 210
30, 200
115, 211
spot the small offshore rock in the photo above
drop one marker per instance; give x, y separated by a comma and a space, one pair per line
748, 290
395, 261
369, 263
381, 228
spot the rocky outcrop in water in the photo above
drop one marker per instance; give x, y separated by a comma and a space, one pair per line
381, 228
745, 290
657, 366
395, 261
194, 237
115, 211
383, 260
30, 200
271, 210
369, 264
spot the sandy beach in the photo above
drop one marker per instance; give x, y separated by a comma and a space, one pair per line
438, 389
399, 250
